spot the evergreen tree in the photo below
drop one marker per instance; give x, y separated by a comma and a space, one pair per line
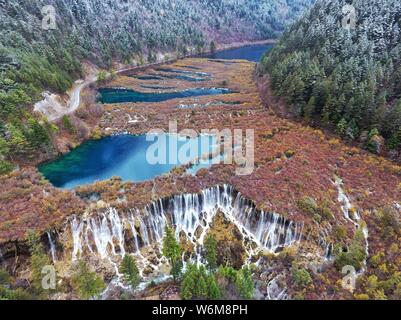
201, 290
197, 283
37, 134
18, 140
172, 251
244, 283
5, 166
211, 252
213, 289
352, 130
4, 148
187, 286
349, 80
213, 47
151, 57
87, 284
39, 259
130, 271
144, 27
395, 140
342, 127
310, 109
373, 141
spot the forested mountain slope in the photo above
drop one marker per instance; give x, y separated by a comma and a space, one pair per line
33, 59
346, 78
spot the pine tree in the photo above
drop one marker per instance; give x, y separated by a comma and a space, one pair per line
321, 92
130, 270
151, 57
187, 286
18, 141
395, 140
4, 148
342, 127
352, 129
214, 291
310, 109
172, 251
213, 47
39, 259
5, 166
201, 290
211, 252
373, 144
86, 283
37, 134
327, 110
244, 283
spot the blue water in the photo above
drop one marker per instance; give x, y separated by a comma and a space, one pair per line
124, 156
252, 53
183, 77
112, 95
192, 67
149, 77
156, 87
176, 74
179, 71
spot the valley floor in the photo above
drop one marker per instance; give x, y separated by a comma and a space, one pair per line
292, 163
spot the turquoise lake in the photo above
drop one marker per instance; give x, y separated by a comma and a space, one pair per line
113, 95
125, 156
251, 53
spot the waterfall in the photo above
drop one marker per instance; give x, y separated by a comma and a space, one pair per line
274, 291
345, 203
346, 208
104, 233
106, 230
52, 247
327, 246
76, 230
131, 222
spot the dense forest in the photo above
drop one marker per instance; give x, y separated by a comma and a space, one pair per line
340, 66
33, 59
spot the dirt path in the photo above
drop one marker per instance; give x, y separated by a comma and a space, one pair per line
53, 106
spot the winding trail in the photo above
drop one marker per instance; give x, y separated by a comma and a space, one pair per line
75, 95
54, 110
75, 99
